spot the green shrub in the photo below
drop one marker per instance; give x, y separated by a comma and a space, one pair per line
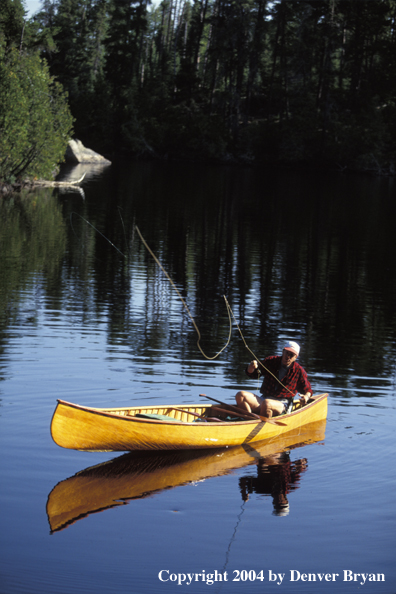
35, 121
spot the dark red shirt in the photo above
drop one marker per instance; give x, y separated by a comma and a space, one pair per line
296, 379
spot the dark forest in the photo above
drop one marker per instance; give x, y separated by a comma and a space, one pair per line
286, 82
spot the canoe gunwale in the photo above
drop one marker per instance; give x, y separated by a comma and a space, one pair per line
131, 418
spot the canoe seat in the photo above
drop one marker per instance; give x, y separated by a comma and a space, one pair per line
155, 417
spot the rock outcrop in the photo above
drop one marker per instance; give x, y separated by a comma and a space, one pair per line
76, 152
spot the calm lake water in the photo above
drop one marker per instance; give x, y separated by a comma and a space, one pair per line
87, 316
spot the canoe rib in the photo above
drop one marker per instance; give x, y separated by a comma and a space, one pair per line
118, 429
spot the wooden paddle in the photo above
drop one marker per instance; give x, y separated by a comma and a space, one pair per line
246, 413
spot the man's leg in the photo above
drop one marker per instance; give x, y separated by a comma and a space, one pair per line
271, 408
248, 401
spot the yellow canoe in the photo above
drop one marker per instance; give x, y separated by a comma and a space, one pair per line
141, 474
168, 427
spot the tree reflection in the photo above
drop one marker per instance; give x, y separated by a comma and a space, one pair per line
32, 244
307, 256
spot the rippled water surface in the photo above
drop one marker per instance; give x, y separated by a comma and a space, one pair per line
87, 316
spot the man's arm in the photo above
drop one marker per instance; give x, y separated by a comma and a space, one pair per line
304, 387
252, 370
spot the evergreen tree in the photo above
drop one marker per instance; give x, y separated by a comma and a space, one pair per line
284, 80
35, 122
124, 44
12, 23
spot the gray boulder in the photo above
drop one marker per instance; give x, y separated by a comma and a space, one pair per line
76, 152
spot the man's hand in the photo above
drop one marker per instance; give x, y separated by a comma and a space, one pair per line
304, 398
252, 366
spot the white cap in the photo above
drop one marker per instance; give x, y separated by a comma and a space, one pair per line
282, 510
293, 347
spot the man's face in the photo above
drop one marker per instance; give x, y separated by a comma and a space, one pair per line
288, 358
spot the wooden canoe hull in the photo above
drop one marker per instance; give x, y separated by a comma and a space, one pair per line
143, 473
118, 429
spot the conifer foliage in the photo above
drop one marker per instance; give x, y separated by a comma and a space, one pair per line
292, 81
35, 121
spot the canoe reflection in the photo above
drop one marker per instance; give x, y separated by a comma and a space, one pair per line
142, 474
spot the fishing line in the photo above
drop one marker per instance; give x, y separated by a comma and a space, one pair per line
123, 228
185, 304
167, 276
97, 230
251, 352
229, 312
227, 557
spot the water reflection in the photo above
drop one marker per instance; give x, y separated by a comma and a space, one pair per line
276, 476
305, 272
87, 171
32, 243
142, 474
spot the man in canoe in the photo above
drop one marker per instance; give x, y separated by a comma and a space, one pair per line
283, 379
